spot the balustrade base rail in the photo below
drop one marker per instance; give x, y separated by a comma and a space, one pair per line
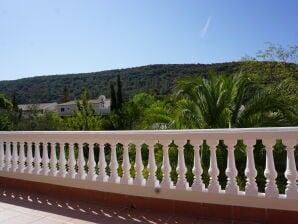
220, 198
222, 208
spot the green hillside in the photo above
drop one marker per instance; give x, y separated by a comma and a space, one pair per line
158, 80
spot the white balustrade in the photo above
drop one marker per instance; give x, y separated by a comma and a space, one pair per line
114, 178
291, 172
17, 150
270, 173
166, 166
152, 181
8, 156
62, 161
139, 179
126, 179
14, 159
213, 169
91, 164
181, 168
22, 158
81, 174
231, 171
37, 159
53, 160
197, 168
251, 188
2, 158
102, 164
29, 158
45, 159
71, 162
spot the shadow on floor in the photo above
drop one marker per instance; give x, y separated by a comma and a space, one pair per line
83, 212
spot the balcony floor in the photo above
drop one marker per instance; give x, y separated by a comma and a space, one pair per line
17, 206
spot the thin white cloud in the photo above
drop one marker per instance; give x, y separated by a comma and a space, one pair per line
205, 28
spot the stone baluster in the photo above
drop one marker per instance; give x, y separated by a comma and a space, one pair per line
114, 178
53, 160
166, 167
22, 158
37, 159
231, 171
71, 162
8, 156
2, 156
291, 172
139, 179
270, 173
45, 159
213, 169
181, 168
126, 179
251, 188
197, 168
62, 161
14, 159
152, 181
29, 158
91, 164
102, 164
81, 174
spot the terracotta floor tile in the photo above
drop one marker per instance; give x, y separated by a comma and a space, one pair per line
107, 211
79, 221
182, 220
22, 219
4, 205
155, 217
8, 214
113, 220
245, 222
213, 221
134, 215
47, 220
59, 217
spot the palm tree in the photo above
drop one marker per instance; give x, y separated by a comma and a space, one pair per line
219, 102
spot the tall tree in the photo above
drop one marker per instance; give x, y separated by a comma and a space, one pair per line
119, 93
65, 95
113, 97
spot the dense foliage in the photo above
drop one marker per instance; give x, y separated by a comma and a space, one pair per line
157, 80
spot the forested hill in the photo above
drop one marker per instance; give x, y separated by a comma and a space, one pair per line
158, 80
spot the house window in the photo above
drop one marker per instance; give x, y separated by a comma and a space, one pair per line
62, 109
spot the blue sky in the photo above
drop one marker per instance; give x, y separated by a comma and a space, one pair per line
47, 37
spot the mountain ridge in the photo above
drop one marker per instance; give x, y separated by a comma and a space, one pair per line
156, 79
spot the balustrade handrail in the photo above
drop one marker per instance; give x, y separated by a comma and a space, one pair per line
231, 133
22, 152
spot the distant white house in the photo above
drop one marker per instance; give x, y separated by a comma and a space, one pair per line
30, 109
101, 106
